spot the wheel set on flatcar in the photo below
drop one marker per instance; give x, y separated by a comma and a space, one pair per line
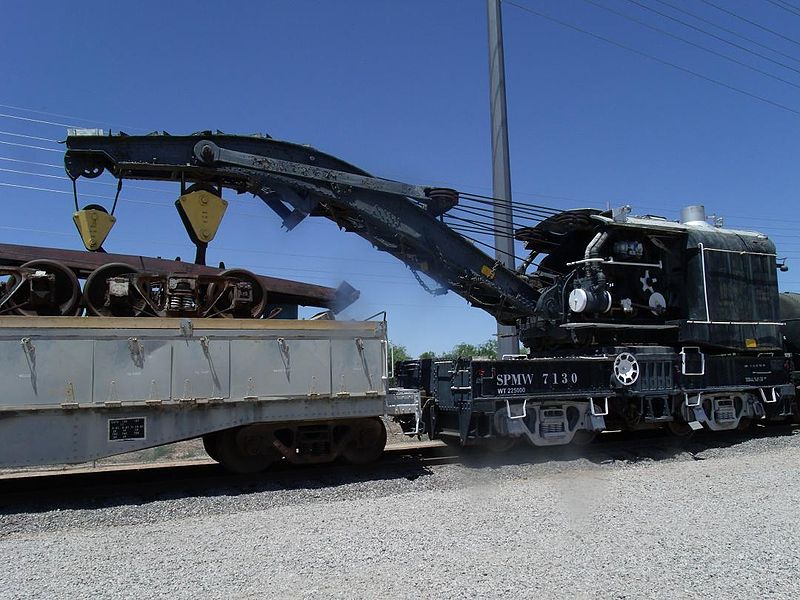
49, 288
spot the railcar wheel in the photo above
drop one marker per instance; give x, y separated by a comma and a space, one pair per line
210, 445
365, 442
66, 292
679, 429
241, 453
454, 444
224, 305
95, 293
583, 437
499, 445
746, 424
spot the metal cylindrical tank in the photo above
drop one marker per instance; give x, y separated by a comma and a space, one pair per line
693, 214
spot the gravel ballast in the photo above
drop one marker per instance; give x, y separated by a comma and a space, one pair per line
722, 523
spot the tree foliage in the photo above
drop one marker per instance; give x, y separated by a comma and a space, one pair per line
487, 349
398, 352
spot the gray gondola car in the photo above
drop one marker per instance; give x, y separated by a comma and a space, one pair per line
81, 388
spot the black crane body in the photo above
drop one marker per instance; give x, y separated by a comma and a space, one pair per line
631, 322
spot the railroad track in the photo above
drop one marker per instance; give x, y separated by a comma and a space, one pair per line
84, 487
34, 491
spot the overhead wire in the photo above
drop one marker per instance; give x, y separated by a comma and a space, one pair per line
64, 177
661, 61
785, 6
29, 137
63, 116
55, 191
31, 162
30, 146
694, 44
218, 247
482, 228
750, 21
718, 38
245, 201
727, 30
31, 120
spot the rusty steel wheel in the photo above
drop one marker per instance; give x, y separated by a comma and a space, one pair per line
254, 310
95, 293
365, 442
66, 292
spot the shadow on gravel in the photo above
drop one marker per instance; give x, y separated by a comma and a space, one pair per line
629, 447
136, 487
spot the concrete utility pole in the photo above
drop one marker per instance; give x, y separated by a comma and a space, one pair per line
507, 339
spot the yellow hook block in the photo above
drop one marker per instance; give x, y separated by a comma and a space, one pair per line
94, 225
203, 212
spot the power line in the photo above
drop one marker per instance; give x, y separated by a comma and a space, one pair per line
17, 172
31, 162
90, 181
218, 247
60, 115
518, 205
695, 45
31, 120
241, 201
29, 137
656, 59
126, 199
69, 193
751, 22
721, 39
726, 30
29, 146
785, 6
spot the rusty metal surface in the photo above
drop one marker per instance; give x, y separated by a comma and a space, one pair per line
281, 291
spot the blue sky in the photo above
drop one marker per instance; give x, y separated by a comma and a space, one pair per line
401, 89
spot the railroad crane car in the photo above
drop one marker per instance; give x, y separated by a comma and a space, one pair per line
630, 321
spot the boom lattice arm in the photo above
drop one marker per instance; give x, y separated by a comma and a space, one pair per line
297, 181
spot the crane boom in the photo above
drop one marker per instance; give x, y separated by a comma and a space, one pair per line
297, 181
